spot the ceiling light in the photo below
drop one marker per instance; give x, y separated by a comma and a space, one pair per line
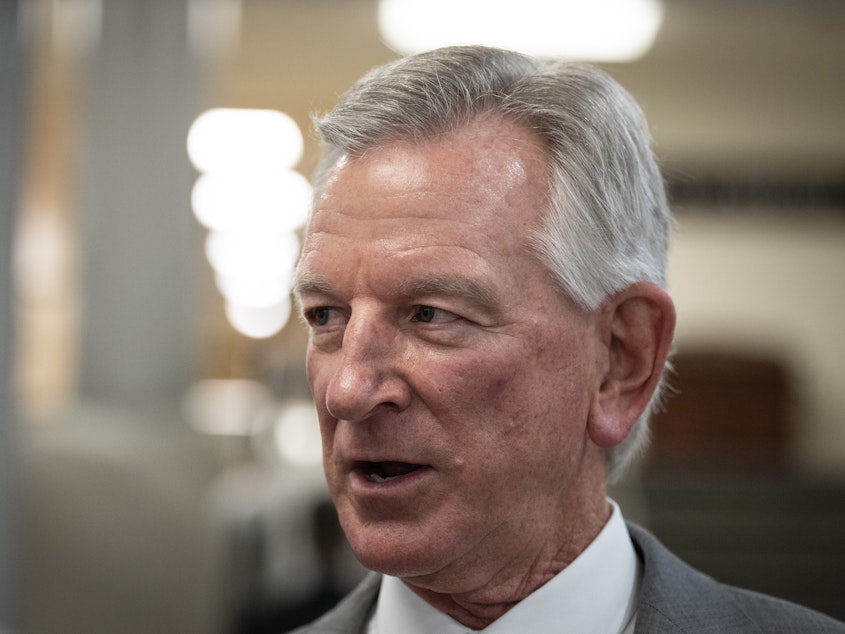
594, 30
258, 322
238, 140
252, 203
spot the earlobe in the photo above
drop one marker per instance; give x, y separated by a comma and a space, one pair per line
637, 330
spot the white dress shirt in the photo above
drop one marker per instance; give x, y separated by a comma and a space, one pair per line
597, 592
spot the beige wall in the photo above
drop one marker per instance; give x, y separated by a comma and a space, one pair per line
773, 284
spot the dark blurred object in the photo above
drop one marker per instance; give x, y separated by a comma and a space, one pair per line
725, 410
330, 543
773, 532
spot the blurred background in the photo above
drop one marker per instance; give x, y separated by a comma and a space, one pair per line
159, 458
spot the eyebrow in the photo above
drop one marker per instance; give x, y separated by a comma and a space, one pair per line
306, 282
448, 285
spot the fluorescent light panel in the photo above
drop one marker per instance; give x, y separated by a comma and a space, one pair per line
594, 30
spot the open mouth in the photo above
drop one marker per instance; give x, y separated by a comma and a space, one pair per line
386, 471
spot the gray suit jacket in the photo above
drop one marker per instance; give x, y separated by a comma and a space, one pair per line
674, 599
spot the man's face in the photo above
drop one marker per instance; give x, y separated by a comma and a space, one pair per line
452, 380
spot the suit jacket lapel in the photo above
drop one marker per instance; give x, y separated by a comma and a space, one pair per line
675, 597
352, 614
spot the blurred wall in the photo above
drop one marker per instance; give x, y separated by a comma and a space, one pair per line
117, 534
769, 283
11, 116
138, 244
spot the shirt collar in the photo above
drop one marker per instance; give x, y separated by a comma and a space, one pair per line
595, 593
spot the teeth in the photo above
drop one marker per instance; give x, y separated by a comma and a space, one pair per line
375, 477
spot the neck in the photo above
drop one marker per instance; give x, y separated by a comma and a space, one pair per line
476, 604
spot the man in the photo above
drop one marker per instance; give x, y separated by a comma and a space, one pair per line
483, 282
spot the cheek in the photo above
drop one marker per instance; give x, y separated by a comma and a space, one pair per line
490, 392
482, 379
532, 397
312, 367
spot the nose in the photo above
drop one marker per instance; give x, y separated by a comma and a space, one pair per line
369, 375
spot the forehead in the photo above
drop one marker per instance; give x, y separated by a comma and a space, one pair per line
489, 172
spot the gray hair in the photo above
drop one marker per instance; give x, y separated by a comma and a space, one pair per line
608, 220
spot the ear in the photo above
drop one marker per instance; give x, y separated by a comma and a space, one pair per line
637, 327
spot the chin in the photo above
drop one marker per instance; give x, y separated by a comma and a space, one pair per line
400, 551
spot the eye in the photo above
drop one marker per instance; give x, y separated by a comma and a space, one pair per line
430, 314
319, 316
426, 314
